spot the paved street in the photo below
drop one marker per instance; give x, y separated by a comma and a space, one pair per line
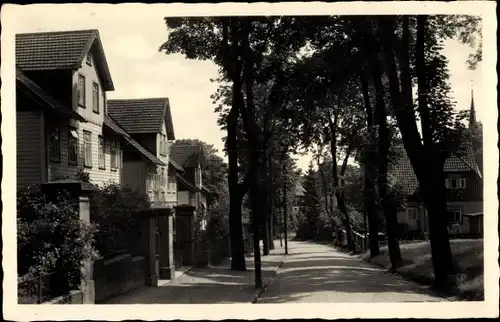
320, 273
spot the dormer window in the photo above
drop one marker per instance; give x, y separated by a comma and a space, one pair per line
455, 182
89, 58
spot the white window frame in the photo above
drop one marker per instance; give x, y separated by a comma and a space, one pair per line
115, 154
72, 146
95, 98
55, 145
460, 182
89, 58
81, 91
457, 211
87, 148
101, 153
412, 213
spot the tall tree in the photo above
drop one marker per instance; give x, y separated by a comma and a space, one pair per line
441, 128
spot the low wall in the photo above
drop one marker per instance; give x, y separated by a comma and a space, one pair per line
118, 275
74, 297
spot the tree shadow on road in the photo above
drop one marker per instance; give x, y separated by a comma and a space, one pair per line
338, 279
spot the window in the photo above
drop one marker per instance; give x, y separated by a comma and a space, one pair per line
455, 214
163, 196
95, 97
72, 147
412, 213
87, 145
89, 58
55, 145
81, 90
163, 144
115, 155
455, 182
102, 160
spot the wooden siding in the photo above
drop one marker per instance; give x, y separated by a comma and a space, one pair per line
134, 175
185, 198
171, 196
30, 148
473, 190
97, 176
91, 76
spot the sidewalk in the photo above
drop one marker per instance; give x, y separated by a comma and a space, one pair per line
212, 285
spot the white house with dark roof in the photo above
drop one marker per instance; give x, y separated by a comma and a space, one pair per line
149, 122
62, 121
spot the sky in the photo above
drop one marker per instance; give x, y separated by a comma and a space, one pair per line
139, 70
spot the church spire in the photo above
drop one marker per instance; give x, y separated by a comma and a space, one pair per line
472, 112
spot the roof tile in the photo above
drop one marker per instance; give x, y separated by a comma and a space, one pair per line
186, 155
403, 173
141, 115
53, 50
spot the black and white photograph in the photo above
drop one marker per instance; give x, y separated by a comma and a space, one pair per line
330, 155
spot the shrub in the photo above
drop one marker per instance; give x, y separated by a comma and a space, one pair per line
115, 210
52, 240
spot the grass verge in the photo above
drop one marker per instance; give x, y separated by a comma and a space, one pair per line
417, 266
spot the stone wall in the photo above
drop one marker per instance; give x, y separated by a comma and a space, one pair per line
118, 275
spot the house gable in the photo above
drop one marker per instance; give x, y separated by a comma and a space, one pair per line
462, 163
62, 50
143, 116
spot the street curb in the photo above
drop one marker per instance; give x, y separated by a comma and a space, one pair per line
261, 291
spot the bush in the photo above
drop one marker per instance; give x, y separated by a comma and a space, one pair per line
52, 240
115, 210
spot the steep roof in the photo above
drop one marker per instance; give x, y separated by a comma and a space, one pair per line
62, 50
187, 155
403, 173
145, 115
38, 94
110, 123
185, 184
299, 190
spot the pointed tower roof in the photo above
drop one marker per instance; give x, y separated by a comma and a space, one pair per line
472, 112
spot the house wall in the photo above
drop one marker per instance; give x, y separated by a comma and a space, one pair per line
134, 175
94, 125
97, 176
172, 190
185, 198
30, 147
468, 207
473, 190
